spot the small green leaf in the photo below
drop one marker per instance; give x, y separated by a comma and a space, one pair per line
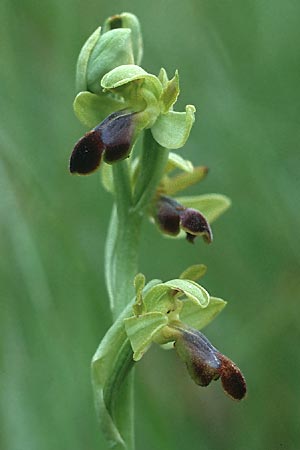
176, 161
194, 272
83, 59
172, 130
141, 331
192, 290
170, 93
210, 205
197, 317
110, 366
91, 109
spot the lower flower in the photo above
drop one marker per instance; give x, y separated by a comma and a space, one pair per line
205, 363
172, 217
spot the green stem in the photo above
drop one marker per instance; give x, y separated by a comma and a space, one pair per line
152, 164
121, 265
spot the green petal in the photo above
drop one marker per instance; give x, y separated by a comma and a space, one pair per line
194, 272
163, 77
141, 331
196, 293
177, 162
182, 181
91, 109
210, 205
170, 93
198, 317
172, 130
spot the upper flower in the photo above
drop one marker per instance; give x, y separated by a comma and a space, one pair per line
108, 89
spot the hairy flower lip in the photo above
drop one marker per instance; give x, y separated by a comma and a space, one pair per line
171, 216
87, 154
205, 363
195, 224
111, 140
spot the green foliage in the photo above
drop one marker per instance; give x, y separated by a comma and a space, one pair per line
237, 64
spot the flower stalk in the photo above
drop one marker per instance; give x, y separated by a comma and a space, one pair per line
119, 101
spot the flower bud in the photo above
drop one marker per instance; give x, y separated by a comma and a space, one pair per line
205, 363
127, 20
101, 53
111, 140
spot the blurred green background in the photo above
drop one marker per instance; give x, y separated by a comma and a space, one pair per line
239, 64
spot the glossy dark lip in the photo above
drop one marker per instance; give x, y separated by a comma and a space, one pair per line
111, 141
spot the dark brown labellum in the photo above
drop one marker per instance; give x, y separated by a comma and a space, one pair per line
195, 224
167, 216
87, 153
232, 379
111, 140
205, 363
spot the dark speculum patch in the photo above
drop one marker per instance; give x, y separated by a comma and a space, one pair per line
168, 218
87, 153
117, 136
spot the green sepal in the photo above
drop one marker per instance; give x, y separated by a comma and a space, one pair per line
141, 331
170, 93
197, 317
128, 20
176, 161
194, 272
83, 59
125, 74
172, 130
210, 205
91, 109
193, 291
113, 48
